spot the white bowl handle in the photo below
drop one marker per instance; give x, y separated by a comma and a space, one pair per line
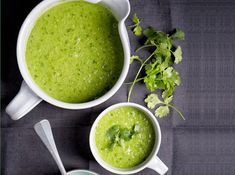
120, 8
157, 165
23, 102
126, 37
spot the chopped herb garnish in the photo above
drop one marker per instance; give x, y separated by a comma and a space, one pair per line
117, 134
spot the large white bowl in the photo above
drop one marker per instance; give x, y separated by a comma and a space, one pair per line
30, 93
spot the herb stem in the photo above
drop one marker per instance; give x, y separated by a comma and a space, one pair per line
144, 46
131, 26
141, 61
139, 79
177, 110
132, 86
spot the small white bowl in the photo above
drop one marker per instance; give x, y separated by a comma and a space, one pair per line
152, 161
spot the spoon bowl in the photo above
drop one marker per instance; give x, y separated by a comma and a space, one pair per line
43, 129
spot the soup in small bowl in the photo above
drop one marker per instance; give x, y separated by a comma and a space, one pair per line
125, 139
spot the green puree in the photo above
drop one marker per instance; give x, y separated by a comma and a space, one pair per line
132, 152
74, 52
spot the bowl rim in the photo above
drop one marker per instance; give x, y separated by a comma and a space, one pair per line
81, 170
24, 33
151, 156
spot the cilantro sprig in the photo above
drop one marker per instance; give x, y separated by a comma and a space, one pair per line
163, 110
136, 28
158, 70
117, 134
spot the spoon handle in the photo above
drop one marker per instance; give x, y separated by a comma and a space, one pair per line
43, 129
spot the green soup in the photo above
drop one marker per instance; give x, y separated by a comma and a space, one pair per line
74, 52
114, 141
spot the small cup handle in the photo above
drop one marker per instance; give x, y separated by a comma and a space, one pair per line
157, 165
22, 103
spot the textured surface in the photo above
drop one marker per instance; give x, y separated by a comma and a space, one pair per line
60, 40
202, 145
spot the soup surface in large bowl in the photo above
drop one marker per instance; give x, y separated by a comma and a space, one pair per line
74, 52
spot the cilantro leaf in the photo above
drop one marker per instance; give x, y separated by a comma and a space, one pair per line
171, 76
152, 83
168, 99
158, 38
176, 78
167, 73
162, 111
165, 94
152, 100
117, 134
111, 145
125, 134
137, 29
149, 32
178, 34
178, 55
135, 19
153, 79
159, 76
113, 132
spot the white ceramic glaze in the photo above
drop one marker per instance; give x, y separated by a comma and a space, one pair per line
152, 162
30, 90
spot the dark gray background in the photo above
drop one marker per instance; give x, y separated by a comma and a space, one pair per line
204, 144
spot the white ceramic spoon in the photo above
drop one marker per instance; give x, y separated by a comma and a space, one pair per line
43, 129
